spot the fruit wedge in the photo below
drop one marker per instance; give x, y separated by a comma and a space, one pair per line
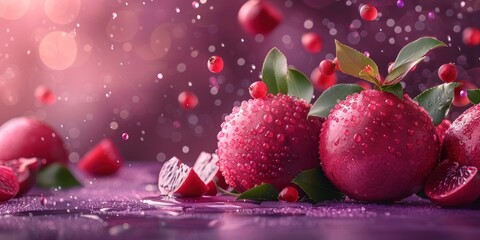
104, 159
178, 179
452, 185
8, 184
26, 170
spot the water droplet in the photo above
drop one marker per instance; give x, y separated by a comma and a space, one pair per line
337, 141
409, 146
389, 102
410, 132
347, 132
280, 137
357, 138
268, 118
125, 136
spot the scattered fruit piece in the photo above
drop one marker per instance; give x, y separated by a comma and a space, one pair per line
258, 89
188, 100
452, 185
321, 81
8, 184
44, 95
26, 170
327, 67
288, 194
104, 159
312, 42
448, 72
178, 179
27, 138
368, 12
259, 17
215, 64
471, 36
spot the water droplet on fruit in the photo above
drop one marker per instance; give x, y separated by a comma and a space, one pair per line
125, 136
337, 141
357, 138
391, 149
411, 132
409, 146
347, 132
389, 102
280, 137
259, 128
268, 118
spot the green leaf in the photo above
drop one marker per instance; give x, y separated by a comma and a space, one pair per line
397, 74
56, 175
474, 95
396, 90
274, 72
318, 188
416, 50
299, 85
330, 98
264, 192
354, 63
437, 100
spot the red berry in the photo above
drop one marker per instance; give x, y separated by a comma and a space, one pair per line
178, 179
460, 98
471, 36
448, 72
8, 184
327, 67
187, 100
288, 194
26, 170
312, 42
258, 89
368, 12
27, 138
267, 141
215, 64
259, 17
321, 81
44, 95
104, 159
337, 66
372, 135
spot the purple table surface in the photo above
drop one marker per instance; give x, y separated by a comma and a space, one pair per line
128, 206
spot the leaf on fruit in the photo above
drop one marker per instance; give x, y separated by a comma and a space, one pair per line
331, 97
274, 72
396, 90
437, 100
264, 192
299, 85
473, 95
416, 50
354, 63
56, 175
397, 74
318, 188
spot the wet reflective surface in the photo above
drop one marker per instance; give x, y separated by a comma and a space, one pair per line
127, 206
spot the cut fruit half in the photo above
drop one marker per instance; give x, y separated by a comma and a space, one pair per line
452, 185
26, 170
104, 159
178, 179
206, 167
8, 184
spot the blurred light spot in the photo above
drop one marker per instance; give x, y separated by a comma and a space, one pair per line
113, 125
123, 27
62, 11
13, 9
58, 50
308, 24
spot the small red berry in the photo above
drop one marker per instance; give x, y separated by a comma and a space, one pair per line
188, 100
215, 64
448, 72
288, 194
44, 95
312, 42
258, 89
471, 36
327, 67
337, 66
321, 81
368, 12
259, 17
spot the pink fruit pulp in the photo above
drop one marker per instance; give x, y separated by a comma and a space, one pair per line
26, 170
8, 184
178, 179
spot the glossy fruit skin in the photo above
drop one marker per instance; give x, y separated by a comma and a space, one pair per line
25, 137
259, 17
312, 42
104, 159
268, 141
368, 12
188, 100
258, 89
375, 147
8, 184
448, 72
215, 64
452, 185
442, 129
321, 81
288, 194
461, 143
471, 36
327, 67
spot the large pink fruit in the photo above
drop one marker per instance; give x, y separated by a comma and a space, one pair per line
267, 140
377, 147
259, 17
462, 139
27, 138
178, 179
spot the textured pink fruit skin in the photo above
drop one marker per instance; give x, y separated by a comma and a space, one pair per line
259, 17
461, 143
268, 141
27, 137
376, 147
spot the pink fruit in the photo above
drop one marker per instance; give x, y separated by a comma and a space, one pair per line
267, 141
258, 89
448, 72
44, 95
376, 147
461, 143
104, 159
327, 67
321, 81
460, 98
188, 100
471, 36
8, 184
288, 194
312, 42
442, 129
215, 64
368, 12
27, 138
452, 185
178, 179
26, 170
259, 17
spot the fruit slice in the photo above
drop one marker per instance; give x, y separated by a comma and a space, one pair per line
206, 167
452, 185
8, 184
178, 179
26, 170
104, 159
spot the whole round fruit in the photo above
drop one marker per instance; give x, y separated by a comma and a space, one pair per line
471, 36
25, 137
268, 140
258, 89
376, 147
215, 64
327, 67
312, 42
368, 12
187, 100
288, 194
448, 72
461, 143
259, 17
321, 81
